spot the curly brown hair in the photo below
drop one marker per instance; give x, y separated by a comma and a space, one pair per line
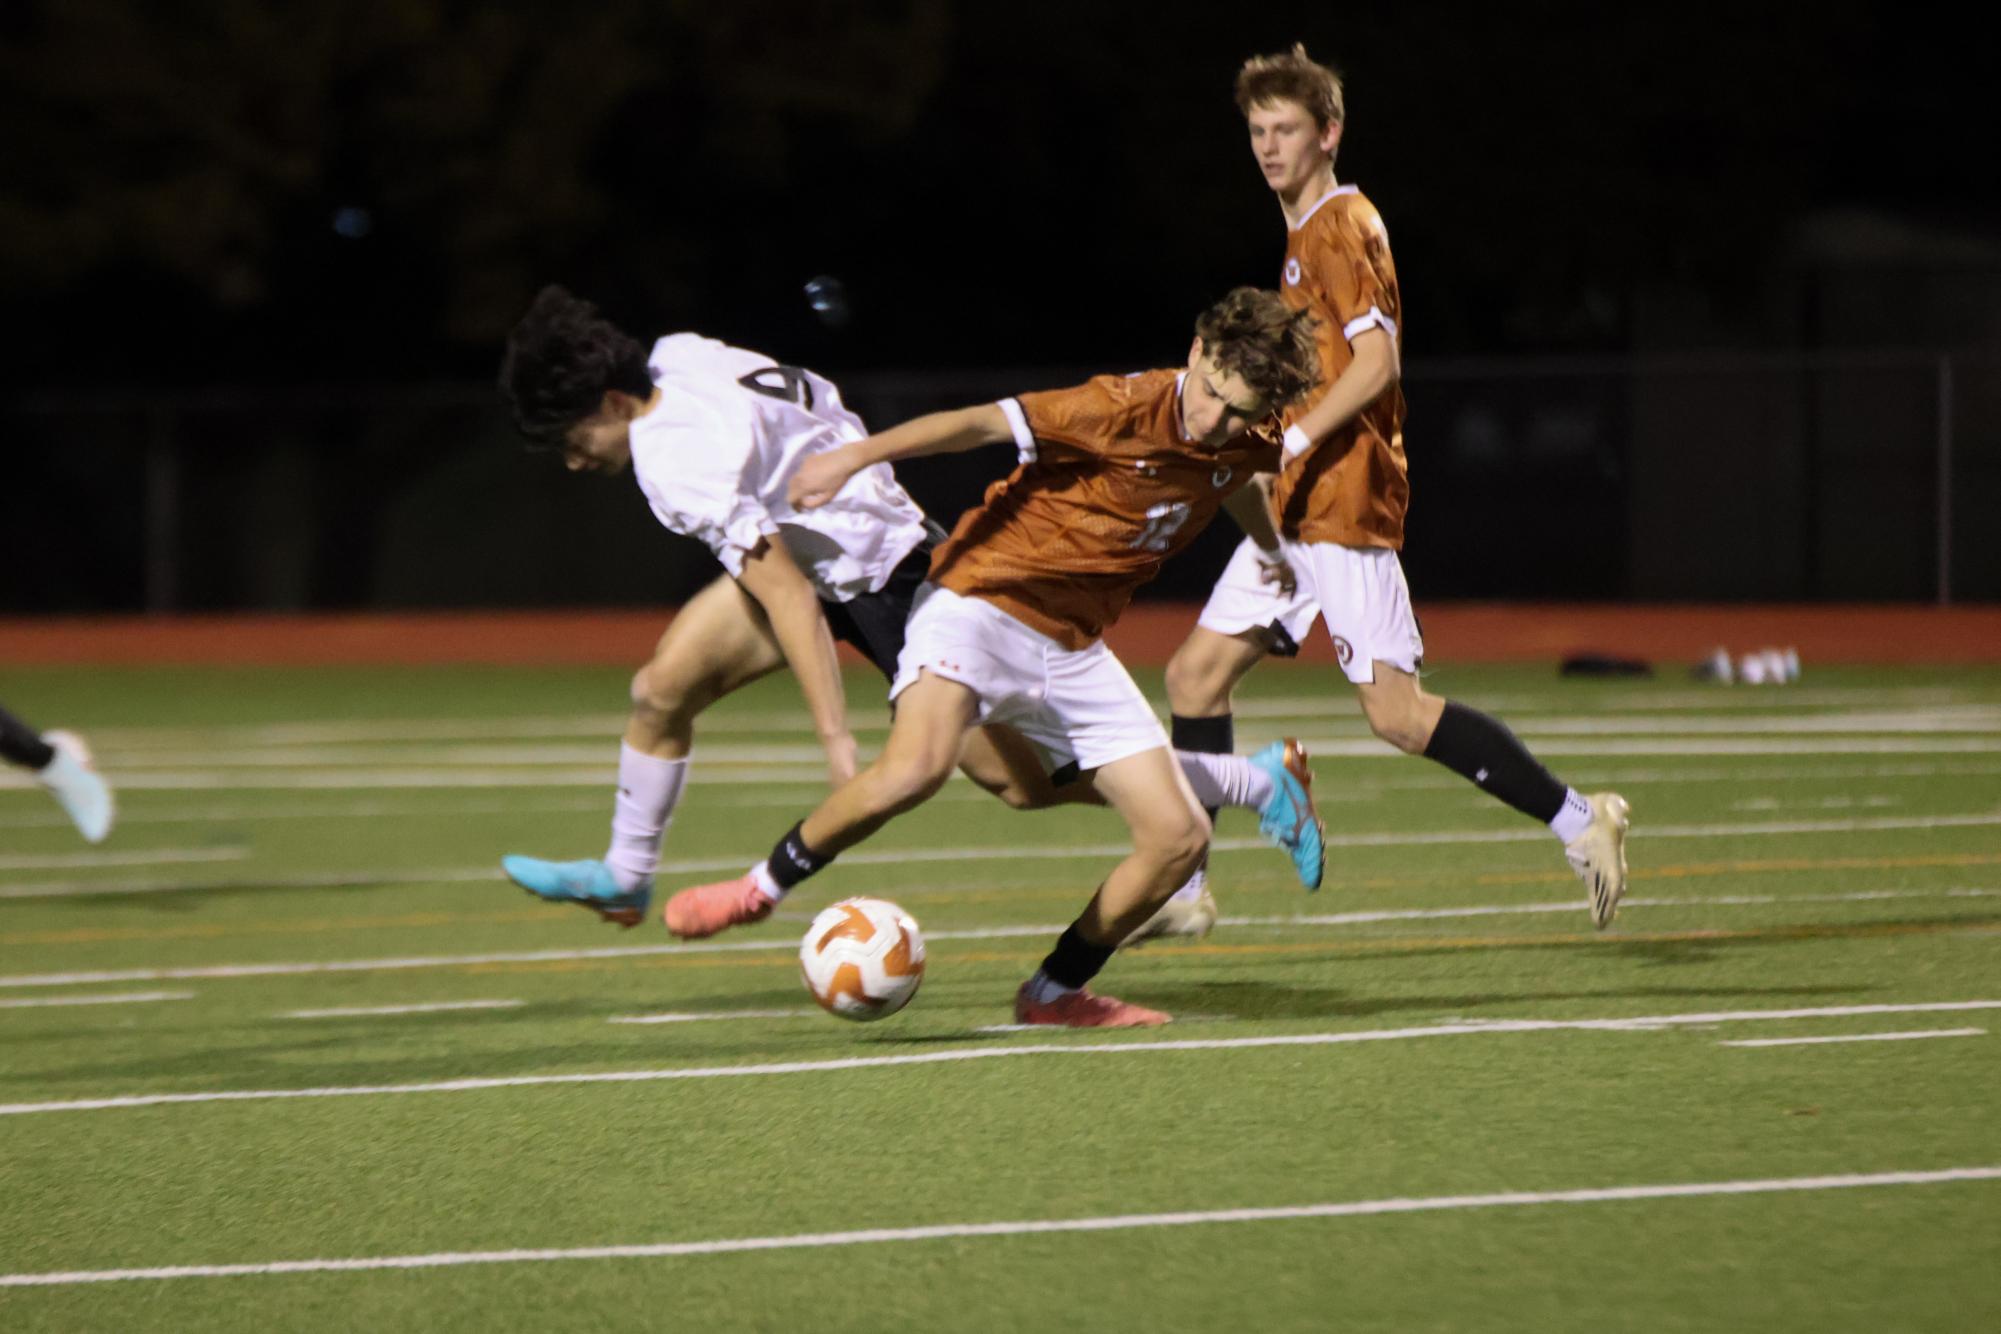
1254, 334
560, 360
1292, 77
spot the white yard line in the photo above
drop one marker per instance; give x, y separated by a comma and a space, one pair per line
1858, 1037
118, 998
1480, 1028
695, 1017
1016, 1228
369, 1011
294, 969
908, 856
88, 861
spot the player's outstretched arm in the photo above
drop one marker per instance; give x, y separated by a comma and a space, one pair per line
1375, 368
1250, 506
800, 625
821, 476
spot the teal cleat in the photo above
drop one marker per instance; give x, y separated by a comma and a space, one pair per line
588, 883
1288, 819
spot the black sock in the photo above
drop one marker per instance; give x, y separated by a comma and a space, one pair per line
791, 861
1483, 751
1205, 736
1075, 960
22, 744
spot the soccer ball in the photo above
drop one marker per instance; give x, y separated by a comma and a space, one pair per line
862, 959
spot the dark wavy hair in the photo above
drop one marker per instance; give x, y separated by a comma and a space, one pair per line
561, 359
1255, 334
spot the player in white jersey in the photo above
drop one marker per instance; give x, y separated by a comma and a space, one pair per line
713, 434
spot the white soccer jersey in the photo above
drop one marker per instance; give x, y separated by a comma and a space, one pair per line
729, 431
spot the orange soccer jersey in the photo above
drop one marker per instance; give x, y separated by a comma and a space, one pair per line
1107, 490
1353, 488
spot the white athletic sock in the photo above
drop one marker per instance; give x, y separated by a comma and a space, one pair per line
1042, 988
1192, 891
1225, 780
1575, 817
648, 791
766, 884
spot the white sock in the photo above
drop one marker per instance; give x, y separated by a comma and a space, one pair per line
1193, 889
766, 885
1225, 780
1575, 817
1042, 988
648, 791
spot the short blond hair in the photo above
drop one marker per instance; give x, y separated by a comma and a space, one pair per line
1292, 77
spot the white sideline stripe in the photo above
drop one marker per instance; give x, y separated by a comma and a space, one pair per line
1481, 1027
86, 861
692, 1017
120, 998
1022, 1227
1859, 1037
968, 933
906, 856
361, 1011
957, 790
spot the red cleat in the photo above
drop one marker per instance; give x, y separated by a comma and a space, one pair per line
706, 909
1080, 1009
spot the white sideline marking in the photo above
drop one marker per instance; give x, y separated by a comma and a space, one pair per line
1482, 1027
1023, 1227
969, 933
696, 1017
317, 810
121, 998
85, 861
1858, 1037
907, 856
361, 1011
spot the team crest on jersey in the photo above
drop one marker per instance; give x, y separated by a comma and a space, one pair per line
1343, 650
1221, 477
1292, 271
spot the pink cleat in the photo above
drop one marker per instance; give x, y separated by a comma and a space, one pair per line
1080, 1009
706, 909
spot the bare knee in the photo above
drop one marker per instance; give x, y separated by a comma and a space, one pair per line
1198, 682
1404, 720
661, 702
901, 782
1178, 845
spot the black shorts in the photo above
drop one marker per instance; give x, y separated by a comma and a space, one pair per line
873, 622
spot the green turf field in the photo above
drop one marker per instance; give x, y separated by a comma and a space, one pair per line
1405, 1103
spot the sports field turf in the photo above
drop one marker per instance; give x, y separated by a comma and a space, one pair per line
1428, 1097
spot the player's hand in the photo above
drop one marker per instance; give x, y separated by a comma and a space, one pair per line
819, 478
1273, 568
840, 758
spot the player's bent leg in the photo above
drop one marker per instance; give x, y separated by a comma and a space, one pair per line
718, 643
932, 716
1005, 763
1483, 750
1205, 670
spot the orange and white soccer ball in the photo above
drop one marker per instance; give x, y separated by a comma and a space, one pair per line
862, 959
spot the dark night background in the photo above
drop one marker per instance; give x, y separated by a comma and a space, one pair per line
1694, 296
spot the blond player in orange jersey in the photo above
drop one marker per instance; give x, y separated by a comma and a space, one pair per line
1116, 476
1340, 499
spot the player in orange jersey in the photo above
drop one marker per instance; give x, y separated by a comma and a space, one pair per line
1115, 476
1340, 498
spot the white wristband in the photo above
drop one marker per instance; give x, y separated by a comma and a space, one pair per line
1297, 442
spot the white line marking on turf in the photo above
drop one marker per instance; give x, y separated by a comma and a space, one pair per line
907, 856
1022, 1227
85, 861
1858, 1037
971, 933
691, 1017
1484, 1028
120, 998
361, 1011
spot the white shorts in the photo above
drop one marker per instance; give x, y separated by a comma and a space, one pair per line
1360, 590
1077, 706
